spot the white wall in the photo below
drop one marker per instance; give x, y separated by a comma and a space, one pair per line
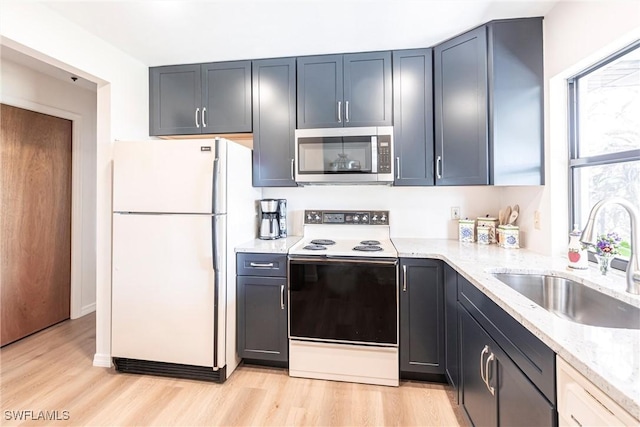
577, 34
122, 113
22, 86
414, 212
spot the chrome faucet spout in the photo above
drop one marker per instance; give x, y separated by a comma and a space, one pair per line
589, 238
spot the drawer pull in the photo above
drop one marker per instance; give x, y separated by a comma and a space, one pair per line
404, 278
485, 350
261, 265
486, 372
282, 297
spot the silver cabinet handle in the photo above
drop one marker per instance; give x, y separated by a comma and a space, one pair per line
486, 371
397, 167
281, 297
197, 114
292, 169
346, 111
204, 111
404, 278
261, 265
485, 350
339, 111
438, 161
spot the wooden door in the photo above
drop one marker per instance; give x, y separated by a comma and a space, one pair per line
35, 221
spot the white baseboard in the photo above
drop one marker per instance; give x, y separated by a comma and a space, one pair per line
87, 309
102, 360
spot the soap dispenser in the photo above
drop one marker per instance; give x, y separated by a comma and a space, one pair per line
577, 252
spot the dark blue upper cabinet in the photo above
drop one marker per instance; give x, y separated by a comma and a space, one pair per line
367, 89
344, 90
320, 91
413, 116
200, 98
489, 105
461, 110
174, 100
274, 122
227, 97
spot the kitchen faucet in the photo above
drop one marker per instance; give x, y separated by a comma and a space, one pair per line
589, 238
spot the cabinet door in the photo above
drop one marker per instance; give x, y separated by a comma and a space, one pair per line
520, 402
274, 122
452, 349
226, 95
461, 107
475, 347
262, 318
413, 116
367, 89
320, 92
421, 317
175, 100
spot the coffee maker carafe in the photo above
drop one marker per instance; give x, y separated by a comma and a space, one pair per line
270, 221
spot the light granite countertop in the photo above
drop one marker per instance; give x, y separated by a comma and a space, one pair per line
277, 246
608, 357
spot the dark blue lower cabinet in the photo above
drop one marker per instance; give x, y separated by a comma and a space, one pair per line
421, 317
262, 318
495, 392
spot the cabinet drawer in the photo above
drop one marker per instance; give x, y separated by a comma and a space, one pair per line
531, 355
252, 264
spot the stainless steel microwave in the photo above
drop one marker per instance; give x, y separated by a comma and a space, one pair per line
359, 155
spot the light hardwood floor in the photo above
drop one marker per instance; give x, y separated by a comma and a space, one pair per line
52, 371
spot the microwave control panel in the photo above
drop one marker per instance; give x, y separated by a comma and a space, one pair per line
347, 217
384, 154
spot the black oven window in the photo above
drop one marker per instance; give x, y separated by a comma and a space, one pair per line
350, 302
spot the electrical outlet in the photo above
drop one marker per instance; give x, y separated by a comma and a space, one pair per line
455, 213
536, 220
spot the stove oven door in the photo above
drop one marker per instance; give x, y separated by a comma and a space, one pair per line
344, 300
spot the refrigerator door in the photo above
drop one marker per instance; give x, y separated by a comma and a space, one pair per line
164, 289
164, 176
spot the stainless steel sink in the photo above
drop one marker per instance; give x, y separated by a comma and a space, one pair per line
574, 301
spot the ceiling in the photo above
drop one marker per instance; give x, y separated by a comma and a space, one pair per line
163, 32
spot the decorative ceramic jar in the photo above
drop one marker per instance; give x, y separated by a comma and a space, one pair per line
484, 235
492, 224
466, 230
577, 252
509, 236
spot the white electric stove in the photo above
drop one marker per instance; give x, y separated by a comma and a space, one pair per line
343, 299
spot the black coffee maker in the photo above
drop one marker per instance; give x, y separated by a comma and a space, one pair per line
273, 221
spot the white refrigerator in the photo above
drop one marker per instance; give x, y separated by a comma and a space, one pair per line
179, 208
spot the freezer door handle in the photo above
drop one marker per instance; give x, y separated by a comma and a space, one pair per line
214, 183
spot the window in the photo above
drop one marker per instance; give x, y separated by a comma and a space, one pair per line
604, 126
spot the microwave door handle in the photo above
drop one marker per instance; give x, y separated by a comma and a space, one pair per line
374, 154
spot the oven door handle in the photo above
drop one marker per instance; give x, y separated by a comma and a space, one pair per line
355, 260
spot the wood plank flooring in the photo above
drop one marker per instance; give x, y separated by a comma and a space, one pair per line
51, 374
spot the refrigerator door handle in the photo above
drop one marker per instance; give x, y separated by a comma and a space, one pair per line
219, 191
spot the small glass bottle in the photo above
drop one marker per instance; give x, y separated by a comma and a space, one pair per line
577, 252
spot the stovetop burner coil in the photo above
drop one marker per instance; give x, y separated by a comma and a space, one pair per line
367, 248
315, 247
370, 242
323, 242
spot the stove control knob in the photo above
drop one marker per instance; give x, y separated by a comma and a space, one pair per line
365, 218
308, 217
383, 218
356, 218
317, 217
374, 218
